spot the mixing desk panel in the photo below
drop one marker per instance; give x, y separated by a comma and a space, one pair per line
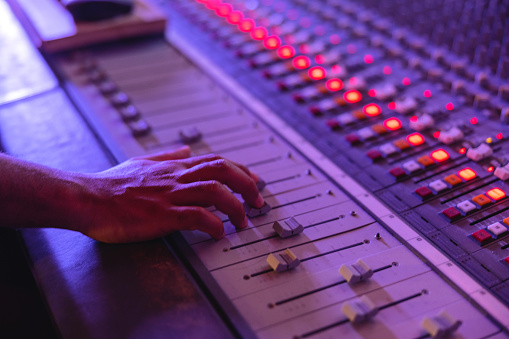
380, 132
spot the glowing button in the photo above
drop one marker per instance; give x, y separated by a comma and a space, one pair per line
301, 62
415, 139
439, 155
368, 58
316, 73
272, 42
467, 174
352, 96
496, 194
286, 52
334, 84
224, 9
392, 124
234, 17
246, 25
372, 110
259, 33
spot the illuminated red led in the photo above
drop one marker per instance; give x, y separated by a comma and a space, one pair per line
415, 139
372, 110
500, 136
286, 52
212, 4
473, 121
414, 119
234, 17
351, 49
352, 96
336, 69
258, 33
436, 134
462, 150
439, 155
392, 124
391, 105
301, 62
319, 59
467, 174
317, 73
223, 9
372, 93
491, 169
427, 93
304, 49
496, 194
449, 106
272, 42
334, 84
368, 58
406, 81
246, 25
334, 39
387, 70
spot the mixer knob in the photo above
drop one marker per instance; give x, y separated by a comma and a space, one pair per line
441, 326
283, 261
288, 227
252, 212
359, 310
119, 99
139, 128
450, 136
190, 135
356, 272
502, 172
129, 113
260, 184
480, 152
423, 122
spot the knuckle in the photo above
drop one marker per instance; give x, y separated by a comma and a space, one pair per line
221, 164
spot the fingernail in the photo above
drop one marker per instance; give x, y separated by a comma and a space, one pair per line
221, 236
259, 201
245, 222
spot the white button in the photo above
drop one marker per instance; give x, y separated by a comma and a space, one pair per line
355, 83
450, 136
497, 228
502, 172
480, 152
345, 119
466, 206
365, 133
359, 310
438, 185
421, 123
388, 149
441, 326
355, 272
327, 105
385, 92
293, 80
405, 105
308, 93
411, 166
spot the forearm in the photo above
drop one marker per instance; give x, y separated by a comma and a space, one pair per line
32, 195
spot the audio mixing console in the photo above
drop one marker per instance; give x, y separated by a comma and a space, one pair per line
380, 131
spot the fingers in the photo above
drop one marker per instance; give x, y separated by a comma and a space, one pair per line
229, 174
211, 193
196, 218
179, 153
194, 161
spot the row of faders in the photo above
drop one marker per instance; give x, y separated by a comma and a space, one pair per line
410, 98
312, 263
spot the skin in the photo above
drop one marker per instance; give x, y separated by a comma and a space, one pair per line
141, 199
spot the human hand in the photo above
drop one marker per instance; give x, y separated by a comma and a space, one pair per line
149, 197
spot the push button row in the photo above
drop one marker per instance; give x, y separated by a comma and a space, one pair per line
478, 202
450, 181
491, 232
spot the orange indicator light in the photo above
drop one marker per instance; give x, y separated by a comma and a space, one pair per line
258, 33
334, 84
415, 139
496, 194
372, 110
392, 124
352, 96
449, 106
234, 17
286, 52
439, 155
491, 169
212, 4
301, 62
246, 25
467, 174
406, 81
368, 58
272, 42
223, 9
317, 73
462, 150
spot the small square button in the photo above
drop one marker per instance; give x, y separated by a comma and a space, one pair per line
397, 172
506, 260
481, 200
424, 192
438, 186
425, 161
388, 149
374, 155
332, 124
506, 221
466, 206
482, 236
453, 180
451, 213
345, 119
359, 115
352, 139
379, 129
402, 144
366, 133
411, 166
497, 228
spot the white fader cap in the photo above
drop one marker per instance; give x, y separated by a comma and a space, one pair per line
359, 310
441, 326
358, 271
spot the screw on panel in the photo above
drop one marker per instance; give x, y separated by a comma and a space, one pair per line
329, 192
378, 236
353, 213
288, 154
308, 172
